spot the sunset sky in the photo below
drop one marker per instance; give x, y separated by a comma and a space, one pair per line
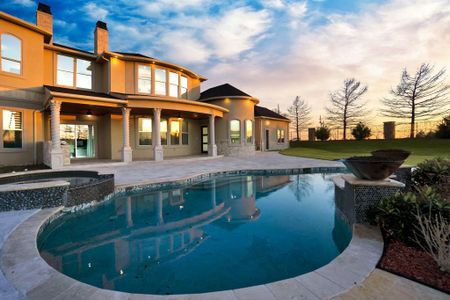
271, 49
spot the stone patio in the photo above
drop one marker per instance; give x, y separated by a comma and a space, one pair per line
320, 284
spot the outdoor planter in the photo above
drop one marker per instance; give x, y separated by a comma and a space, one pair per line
393, 154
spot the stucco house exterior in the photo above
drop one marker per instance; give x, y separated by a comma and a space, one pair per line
59, 104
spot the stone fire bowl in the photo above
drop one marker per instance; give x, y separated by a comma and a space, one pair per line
372, 168
392, 154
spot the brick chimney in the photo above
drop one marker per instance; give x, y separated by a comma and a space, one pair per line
44, 18
100, 37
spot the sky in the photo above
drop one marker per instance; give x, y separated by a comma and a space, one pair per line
274, 50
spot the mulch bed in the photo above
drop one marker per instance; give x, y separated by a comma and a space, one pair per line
414, 264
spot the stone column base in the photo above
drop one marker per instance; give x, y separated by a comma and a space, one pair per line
158, 153
212, 150
127, 155
355, 197
56, 159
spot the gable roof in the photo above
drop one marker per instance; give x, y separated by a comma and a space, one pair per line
265, 112
224, 90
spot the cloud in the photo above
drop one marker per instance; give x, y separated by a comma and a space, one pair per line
95, 11
373, 45
236, 31
26, 3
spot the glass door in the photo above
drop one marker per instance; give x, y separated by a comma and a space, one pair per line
80, 139
204, 139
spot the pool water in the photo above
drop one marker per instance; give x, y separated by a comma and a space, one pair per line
219, 234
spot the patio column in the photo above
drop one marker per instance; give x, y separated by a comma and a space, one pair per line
157, 148
127, 153
212, 148
56, 153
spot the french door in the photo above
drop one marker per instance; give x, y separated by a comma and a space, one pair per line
80, 139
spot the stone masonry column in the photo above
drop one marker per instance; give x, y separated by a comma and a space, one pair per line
127, 153
56, 153
212, 147
158, 153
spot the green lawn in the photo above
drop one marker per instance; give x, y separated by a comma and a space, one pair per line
421, 148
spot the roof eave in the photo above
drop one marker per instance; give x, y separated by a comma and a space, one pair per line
256, 100
271, 118
155, 61
25, 24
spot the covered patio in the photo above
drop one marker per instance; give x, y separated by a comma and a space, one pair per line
83, 127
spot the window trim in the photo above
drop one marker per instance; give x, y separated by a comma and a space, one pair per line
75, 72
22, 148
21, 56
138, 145
282, 136
151, 79
165, 82
240, 133
253, 132
169, 84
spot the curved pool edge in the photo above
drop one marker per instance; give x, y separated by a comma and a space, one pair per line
30, 274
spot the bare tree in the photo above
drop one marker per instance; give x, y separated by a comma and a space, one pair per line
300, 114
419, 96
346, 109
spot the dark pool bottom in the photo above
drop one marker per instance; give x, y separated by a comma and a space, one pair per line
220, 234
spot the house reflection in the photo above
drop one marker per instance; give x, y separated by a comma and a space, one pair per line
141, 231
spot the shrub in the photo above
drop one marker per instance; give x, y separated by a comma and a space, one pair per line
396, 215
423, 135
323, 133
361, 131
443, 129
435, 173
433, 237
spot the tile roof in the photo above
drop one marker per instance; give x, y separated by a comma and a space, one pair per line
223, 90
265, 112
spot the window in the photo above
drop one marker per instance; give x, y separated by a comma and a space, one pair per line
235, 131
249, 131
160, 81
185, 133
84, 74
65, 69
144, 79
173, 84
11, 54
175, 132
145, 131
65, 72
12, 129
184, 87
163, 132
280, 136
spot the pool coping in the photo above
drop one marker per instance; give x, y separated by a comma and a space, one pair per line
30, 274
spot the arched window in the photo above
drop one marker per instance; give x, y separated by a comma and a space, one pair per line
235, 131
11, 54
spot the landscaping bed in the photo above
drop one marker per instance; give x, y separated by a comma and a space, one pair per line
415, 264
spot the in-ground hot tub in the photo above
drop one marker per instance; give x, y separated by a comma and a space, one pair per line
53, 188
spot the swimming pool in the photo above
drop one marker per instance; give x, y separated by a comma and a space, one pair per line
220, 234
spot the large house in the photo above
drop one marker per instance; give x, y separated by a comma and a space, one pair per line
60, 104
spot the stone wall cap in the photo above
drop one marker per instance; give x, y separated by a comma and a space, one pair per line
353, 180
33, 186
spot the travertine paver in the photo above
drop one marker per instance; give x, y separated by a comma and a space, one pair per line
139, 172
384, 285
